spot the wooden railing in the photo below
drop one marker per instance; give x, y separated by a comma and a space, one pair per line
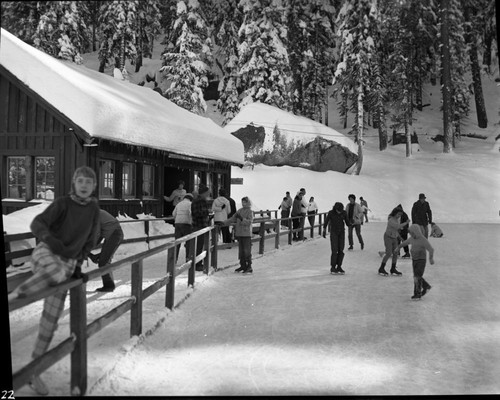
76, 344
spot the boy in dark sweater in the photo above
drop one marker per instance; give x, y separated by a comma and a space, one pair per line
67, 230
335, 221
112, 234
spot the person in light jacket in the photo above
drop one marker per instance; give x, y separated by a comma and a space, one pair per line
436, 230
391, 237
243, 219
183, 222
355, 216
312, 210
222, 208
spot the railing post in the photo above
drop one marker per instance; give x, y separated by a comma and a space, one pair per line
146, 231
262, 237
136, 311
206, 245
312, 227
78, 326
290, 228
277, 230
320, 224
170, 290
215, 240
191, 271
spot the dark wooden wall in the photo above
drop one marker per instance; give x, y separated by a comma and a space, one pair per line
29, 126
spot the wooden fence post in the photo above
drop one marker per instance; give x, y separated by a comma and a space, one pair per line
320, 224
170, 290
136, 311
206, 245
262, 233
277, 239
192, 271
290, 228
215, 241
78, 326
312, 227
146, 231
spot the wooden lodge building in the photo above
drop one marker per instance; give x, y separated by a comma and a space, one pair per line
56, 116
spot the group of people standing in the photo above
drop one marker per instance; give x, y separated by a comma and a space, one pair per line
298, 208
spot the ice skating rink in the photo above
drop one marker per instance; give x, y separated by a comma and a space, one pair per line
292, 328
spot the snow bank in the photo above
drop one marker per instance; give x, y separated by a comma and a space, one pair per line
108, 108
297, 128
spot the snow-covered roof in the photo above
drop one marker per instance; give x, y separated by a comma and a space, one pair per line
116, 110
295, 127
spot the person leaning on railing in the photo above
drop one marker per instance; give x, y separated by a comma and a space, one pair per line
67, 230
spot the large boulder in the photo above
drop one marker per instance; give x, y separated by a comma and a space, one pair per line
275, 137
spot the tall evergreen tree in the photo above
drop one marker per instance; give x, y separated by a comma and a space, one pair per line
358, 23
311, 42
61, 30
263, 63
118, 23
148, 26
471, 18
186, 66
446, 74
21, 18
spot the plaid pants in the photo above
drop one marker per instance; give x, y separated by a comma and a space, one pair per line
49, 269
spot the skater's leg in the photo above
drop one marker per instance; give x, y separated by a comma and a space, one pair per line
340, 249
418, 272
358, 234
388, 248
350, 238
109, 248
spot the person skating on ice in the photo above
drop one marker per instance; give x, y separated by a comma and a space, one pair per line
403, 232
419, 248
243, 219
335, 222
421, 214
355, 216
391, 236
364, 205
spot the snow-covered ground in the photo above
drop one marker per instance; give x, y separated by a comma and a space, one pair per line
292, 328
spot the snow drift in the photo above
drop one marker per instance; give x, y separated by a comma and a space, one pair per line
275, 137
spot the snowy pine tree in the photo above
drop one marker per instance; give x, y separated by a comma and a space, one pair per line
186, 66
311, 42
263, 64
148, 26
118, 25
20, 18
358, 23
226, 37
61, 30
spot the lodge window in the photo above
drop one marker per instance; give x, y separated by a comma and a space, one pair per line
128, 180
45, 177
16, 167
106, 179
210, 185
148, 181
197, 180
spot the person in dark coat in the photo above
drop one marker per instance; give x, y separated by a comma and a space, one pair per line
335, 221
403, 232
111, 234
297, 213
421, 214
200, 216
230, 214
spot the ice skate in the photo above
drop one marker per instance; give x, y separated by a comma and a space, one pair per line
362, 246
340, 271
240, 269
406, 255
426, 289
38, 385
416, 297
382, 271
106, 289
333, 271
394, 271
249, 270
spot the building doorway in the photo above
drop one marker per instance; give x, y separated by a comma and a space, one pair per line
171, 179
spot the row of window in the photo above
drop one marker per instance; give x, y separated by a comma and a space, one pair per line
20, 168
43, 178
107, 180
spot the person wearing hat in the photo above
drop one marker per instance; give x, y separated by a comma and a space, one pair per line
335, 222
183, 221
421, 214
200, 216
